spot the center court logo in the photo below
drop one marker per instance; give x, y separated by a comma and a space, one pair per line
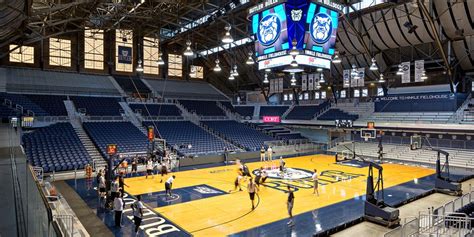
321, 28
269, 29
206, 190
289, 174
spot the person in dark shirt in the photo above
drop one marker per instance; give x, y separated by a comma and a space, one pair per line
289, 204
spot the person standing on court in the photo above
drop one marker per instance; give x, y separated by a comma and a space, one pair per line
262, 154
289, 205
315, 182
118, 209
115, 188
169, 184
149, 168
269, 153
252, 189
137, 208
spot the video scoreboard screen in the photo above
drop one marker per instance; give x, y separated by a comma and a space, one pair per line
276, 24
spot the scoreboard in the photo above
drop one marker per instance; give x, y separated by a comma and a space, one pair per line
277, 24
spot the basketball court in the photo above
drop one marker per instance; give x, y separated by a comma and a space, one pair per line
201, 204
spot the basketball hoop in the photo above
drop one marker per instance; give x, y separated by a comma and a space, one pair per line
367, 133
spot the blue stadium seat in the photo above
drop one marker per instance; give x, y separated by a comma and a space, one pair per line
55, 148
240, 133
244, 111
127, 137
98, 106
273, 110
333, 114
156, 109
202, 108
182, 133
306, 112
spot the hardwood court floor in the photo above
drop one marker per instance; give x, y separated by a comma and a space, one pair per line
226, 214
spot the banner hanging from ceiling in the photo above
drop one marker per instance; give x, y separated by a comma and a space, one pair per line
406, 72
124, 55
419, 69
346, 78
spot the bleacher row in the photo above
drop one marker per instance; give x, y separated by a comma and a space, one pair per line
402, 152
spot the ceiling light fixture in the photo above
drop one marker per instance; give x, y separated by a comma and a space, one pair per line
227, 39
235, 73
217, 68
336, 59
160, 60
374, 66
294, 50
265, 80
250, 59
139, 66
188, 52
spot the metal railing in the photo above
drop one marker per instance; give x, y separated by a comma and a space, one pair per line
439, 222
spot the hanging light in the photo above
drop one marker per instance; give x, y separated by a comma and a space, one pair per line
336, 59
217, 68
227, 39
381, 79
160, 60
188, 52
235, 73
424, 76
318, 86
268, 70
374, 66
294, 63
250, 59
414, 4
265, 80
354, 70
294, 51
400, 70
319, 69
139, 66
322, 79
231, 77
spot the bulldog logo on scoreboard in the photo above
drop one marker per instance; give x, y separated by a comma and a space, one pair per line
321, 28
269, 29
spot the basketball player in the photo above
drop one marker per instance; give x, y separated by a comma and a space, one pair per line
134, 165
264, 175
149, 168
282, 166
169, 184
252, 189
269, 153
137, 208
164, 171
289, 205
262, 154
246, 171
315, 182
238, 180
102, 185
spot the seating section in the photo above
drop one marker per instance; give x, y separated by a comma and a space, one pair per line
6, 112
239, 133
55, 148
156, 109
412, 117
306, 112
180, 134
132, 84
362, 109
244, 111
333, 114
228, 105
128, 138
52, 104
98, 106
273, 110
468, 209
202, 108
41, 105
181, 89
23, 80
468, 116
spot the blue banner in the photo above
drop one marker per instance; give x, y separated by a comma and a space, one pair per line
124, 54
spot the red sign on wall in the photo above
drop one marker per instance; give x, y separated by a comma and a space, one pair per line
151, 133
271, 119
111, 149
